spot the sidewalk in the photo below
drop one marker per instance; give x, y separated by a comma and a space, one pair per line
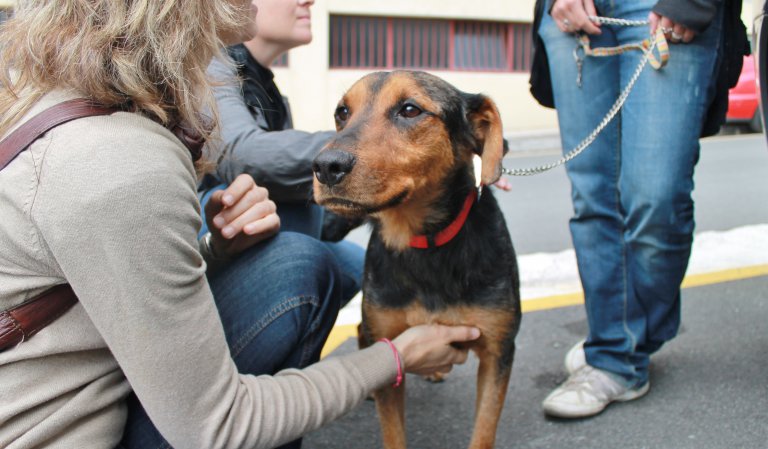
550, 280
709, 388
536, 141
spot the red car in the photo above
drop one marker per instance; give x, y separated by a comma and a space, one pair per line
743, 99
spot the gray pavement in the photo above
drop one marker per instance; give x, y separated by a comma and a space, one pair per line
709, 387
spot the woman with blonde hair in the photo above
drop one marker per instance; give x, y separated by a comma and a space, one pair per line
104, 207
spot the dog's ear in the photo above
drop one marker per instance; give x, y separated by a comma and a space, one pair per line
486, 126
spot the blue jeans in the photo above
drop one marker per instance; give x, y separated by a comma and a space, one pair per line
633, 221
308, 219
278, 303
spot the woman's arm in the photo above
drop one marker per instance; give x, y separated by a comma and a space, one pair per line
117, 210
278, 160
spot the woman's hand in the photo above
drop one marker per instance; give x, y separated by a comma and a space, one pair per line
675, 32
240, 216
573, 15
426, 349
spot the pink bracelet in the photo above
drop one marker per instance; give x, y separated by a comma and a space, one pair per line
399, 379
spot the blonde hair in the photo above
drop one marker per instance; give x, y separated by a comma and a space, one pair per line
148, 55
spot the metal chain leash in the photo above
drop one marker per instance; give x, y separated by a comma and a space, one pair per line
611, 112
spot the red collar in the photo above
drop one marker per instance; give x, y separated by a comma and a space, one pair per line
445, 236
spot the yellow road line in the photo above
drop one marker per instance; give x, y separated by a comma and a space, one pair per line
340, 334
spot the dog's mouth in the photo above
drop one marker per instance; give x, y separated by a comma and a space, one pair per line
353, 207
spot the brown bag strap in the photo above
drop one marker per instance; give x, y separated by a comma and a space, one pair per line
25, 320
23, 136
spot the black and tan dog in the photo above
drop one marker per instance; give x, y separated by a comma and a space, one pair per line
439, 252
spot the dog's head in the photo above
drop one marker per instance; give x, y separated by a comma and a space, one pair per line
400, 136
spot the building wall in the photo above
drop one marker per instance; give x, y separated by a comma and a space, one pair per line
314, 90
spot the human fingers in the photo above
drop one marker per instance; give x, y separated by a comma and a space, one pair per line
239, 187
667, 27
458, 334
244, 201
571, 16
653, 21
427, 347
213, 207
253, 206
591, 10
265, 226
682, 33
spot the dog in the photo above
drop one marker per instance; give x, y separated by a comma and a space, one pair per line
412, 154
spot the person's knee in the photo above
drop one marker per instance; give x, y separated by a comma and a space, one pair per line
317, 264
659, 216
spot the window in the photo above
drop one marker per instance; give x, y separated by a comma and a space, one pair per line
358, 42
420, 44
388, 43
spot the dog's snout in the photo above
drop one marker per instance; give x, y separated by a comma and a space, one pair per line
332, 166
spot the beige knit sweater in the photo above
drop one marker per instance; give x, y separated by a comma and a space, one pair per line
108, 204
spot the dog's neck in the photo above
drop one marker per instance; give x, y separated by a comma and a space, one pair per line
447, 234
426, 215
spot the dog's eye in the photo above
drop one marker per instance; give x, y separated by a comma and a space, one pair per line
342, 114
409, 111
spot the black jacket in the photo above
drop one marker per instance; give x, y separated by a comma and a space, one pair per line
694, 14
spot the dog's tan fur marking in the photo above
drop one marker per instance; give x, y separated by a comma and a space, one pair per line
393, 160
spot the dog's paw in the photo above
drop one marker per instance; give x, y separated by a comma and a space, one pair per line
435, 378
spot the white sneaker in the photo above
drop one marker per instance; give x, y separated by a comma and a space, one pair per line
575, 358
587, 392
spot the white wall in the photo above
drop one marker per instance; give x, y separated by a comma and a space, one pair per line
314, 90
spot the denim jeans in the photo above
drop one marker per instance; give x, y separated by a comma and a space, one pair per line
278, 303
308, 219
633, 220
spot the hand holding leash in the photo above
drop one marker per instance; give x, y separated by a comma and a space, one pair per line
675, 32
427, 349
240, 216
573, 15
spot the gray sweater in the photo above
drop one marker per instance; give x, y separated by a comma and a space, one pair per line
281, 160
108, 204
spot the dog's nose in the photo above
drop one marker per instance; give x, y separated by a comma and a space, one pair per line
331, 166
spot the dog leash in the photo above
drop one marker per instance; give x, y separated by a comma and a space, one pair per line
656, 42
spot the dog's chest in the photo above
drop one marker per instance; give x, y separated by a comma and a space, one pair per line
436, 280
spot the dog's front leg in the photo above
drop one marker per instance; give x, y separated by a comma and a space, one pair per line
390, 405
390, 401
492, 381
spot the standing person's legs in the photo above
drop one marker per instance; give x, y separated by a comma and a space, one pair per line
660, 147
627, 319
278, 302
597, 226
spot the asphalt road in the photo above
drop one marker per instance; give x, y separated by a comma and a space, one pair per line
709, 388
